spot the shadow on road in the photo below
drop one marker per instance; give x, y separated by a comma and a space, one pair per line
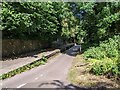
58, 85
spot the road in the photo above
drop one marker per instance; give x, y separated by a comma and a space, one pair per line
51, 75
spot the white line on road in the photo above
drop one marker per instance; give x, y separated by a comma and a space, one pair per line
21, 85
41, 75
36, 78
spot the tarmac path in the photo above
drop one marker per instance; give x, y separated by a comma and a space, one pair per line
51, 75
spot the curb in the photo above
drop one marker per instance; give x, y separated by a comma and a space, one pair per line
27, 67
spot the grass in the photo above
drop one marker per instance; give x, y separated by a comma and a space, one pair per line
23, 68
79, 74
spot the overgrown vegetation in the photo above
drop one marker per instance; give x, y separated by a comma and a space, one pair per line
79, 74
104, 58
108, 48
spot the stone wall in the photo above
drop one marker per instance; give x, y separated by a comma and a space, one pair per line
12, 47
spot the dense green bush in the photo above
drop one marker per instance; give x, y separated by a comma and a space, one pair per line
105, 66
105, 58
118, 63
108, 48
111, 47
96, 53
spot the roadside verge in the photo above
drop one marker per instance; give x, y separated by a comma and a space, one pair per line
79, 74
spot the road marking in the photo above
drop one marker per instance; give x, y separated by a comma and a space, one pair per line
21, 85
36, 78
1, 84
41, 75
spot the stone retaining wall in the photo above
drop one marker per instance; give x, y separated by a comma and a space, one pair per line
12, 47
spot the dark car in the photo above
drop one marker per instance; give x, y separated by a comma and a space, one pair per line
77, 48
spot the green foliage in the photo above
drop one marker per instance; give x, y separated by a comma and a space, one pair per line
96, 53
104, 59
105, 66
118, 64
111, 47
29, 19
108, 48
100, 22
44, 59
51, 20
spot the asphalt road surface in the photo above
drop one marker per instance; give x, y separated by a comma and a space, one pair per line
51, 75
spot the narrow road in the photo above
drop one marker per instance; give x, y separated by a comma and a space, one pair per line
51, 75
